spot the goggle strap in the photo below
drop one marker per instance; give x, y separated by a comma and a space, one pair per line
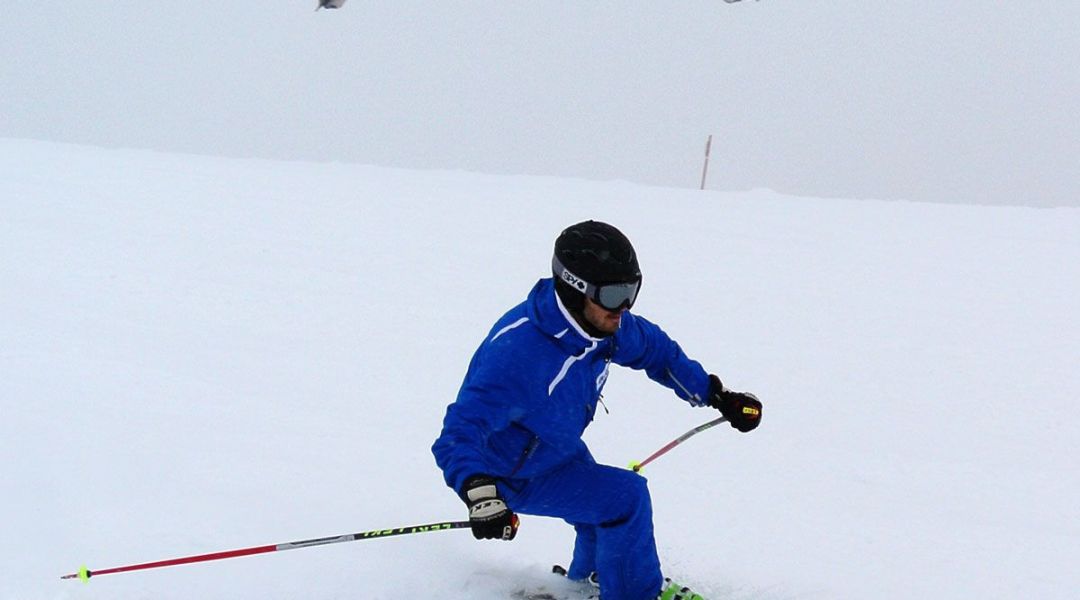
570, 278
586, 288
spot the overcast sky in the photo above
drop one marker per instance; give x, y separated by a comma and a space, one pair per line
968, 101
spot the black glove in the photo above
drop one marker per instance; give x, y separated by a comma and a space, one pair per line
489, 516
742, 409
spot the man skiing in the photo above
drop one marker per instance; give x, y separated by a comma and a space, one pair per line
511, 441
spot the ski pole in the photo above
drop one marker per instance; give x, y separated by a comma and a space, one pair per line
85, 574
638, 466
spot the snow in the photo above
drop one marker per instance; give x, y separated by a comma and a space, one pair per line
200, 354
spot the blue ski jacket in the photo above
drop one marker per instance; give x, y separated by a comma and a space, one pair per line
533, 384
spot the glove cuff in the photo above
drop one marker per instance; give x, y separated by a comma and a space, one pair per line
716, 388
478, 487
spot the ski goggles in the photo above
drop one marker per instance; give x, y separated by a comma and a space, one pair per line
611, 296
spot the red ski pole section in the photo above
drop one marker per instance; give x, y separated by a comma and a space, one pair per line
682, 438
188, 559
656, 455
374, 534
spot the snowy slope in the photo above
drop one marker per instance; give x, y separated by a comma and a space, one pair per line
199, 354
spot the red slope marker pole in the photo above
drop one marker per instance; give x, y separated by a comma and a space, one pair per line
705, 168
85, 574
638, 466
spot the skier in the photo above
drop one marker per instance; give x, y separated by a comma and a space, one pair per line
511, 441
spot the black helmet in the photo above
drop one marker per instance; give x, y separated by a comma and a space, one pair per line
596, 260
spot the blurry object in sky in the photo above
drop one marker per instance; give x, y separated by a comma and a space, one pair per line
330, 4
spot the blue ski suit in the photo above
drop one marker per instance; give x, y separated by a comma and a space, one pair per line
530, 391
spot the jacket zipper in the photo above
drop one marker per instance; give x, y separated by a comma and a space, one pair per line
525, 455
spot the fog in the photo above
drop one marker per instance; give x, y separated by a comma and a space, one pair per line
967, 101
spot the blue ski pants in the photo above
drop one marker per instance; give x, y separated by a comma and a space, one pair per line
611, 511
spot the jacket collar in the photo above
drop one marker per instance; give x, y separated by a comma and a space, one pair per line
547, 312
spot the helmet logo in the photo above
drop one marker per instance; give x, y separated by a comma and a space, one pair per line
578, 283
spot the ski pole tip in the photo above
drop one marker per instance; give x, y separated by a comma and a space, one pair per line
83, 574
635, 466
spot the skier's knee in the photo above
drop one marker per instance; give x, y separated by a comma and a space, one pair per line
630, 500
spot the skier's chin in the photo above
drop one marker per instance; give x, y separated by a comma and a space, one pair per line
609, 322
